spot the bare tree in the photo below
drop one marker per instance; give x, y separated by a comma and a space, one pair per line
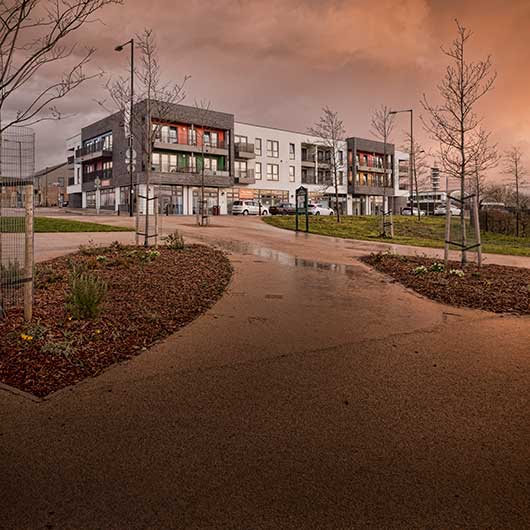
454, 123
515, 168
486, 157
34, 36
382, 127
203, 108
153, 104
330, 132
421, 171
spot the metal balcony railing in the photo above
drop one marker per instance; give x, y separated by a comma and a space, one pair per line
101, 174
94, 147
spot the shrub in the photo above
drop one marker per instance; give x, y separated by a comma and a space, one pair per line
457, 272
420, 270
174, 241
86, 296
101, 258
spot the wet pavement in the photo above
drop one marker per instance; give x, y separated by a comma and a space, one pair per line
316, 394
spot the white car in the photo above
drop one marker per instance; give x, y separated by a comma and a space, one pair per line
248, 208
442, 210
412, 211
317, 209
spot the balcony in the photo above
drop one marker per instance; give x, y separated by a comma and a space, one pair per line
104, 175
245, 176
244, 150
371, 168
308, 159
191, 146
94, 150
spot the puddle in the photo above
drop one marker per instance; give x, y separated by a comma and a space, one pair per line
283, 258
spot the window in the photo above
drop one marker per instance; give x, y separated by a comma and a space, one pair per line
258, 170
273, 172
240, 139
107, 198
257, 146
292, 174
192, 137
107, 142
240, 167
273, 148
156, 162
192, 164
340, 177
291, 152
341, 157
60, 181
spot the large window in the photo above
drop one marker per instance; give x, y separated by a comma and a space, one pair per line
273, 172
341, 157
273, 148
192, 137
164, 163
240, 167
107, 198
292, 173
91, 199
240, 139
257, 147
258, 171
291, 152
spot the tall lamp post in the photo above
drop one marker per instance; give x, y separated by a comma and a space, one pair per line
130, 139
412, 164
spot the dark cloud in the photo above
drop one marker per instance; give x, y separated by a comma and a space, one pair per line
279, 62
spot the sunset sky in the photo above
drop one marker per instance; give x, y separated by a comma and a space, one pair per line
278, 62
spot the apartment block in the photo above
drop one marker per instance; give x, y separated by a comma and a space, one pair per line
234, 160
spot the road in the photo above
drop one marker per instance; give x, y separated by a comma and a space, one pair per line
315, 394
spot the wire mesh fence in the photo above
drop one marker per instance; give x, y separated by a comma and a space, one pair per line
17, 166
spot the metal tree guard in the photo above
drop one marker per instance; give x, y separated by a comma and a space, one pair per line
17, 166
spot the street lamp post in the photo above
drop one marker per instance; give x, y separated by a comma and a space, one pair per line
412, 165
130, 139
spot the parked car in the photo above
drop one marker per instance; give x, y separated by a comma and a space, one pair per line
412, 211
317, 209
442, 210
284, 208
248, 208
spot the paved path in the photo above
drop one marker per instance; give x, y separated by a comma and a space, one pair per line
315, 394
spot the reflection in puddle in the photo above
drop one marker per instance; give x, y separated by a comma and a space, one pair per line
281, 257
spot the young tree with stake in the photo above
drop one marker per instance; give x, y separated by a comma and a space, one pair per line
330, 133
515, 168
382, 127
454, 122
153, 104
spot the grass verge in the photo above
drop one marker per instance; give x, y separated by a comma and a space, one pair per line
51, 224
429, 232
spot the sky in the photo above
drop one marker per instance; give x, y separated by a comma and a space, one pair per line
278, 62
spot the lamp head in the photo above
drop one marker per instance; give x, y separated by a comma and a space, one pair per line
118, 48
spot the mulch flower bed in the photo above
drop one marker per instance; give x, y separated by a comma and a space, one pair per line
492, 288
150, 294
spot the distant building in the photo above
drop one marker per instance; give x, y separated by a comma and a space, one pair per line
50, 185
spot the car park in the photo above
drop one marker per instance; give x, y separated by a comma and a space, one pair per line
284, 208
248, 208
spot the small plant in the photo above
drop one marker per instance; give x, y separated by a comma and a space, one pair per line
64, 349
101, 258
174, 241
46, 275
437, 267
147, 256
11, 272
420, 270
457, 272
90, 249
34, 331
86, 296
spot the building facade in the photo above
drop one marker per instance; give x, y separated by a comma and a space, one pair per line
233, 160
50, 185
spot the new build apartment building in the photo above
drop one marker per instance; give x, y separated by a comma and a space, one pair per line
233, 160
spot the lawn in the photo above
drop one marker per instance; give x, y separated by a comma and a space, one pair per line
52, 224
429, 232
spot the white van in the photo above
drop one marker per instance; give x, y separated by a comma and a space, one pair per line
248, 208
